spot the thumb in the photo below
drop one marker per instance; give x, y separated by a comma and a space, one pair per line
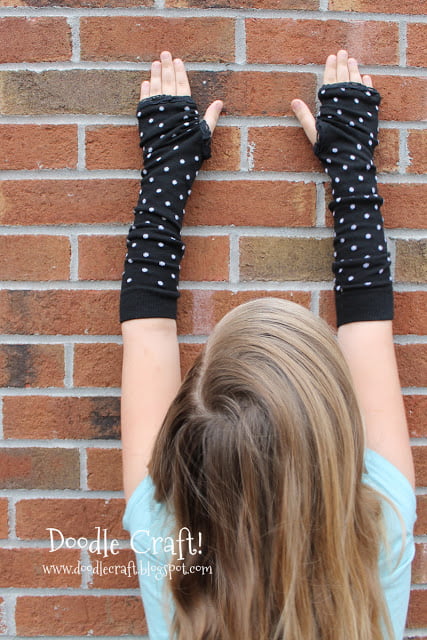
305, 118
212, 114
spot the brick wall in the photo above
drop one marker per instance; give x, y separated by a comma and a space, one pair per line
257, 225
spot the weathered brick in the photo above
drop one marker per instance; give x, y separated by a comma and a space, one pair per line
45, 146
419, 565
3, 623
206, 258
379, 6
416, 413
142, 38
245, 4
115, 571
288, 41
117, 147
79, 615
34, 39
412, 363
252, 202
200, 310
415, 49
417, 149
420, 527
78, 4
23, 568
410, 312
34, 257
411, 261
74, 517
4, 519
188, 353
39, 468
30, 365
417, 613
404, 205
98, 365
59, 312
420, 461
104, 469
395, 91
43, 417
29, 202
280, 258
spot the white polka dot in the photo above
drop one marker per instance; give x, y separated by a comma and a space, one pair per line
365, 265
160, 283
167, 203
335, 99
381, 271
352, 157
165, 169
145, 236
351, 189
368, 236
151, 209
334, 150
345, 167
187, 108
342, 240
162, 263
151, 179
353, 227
139, 114
378, 227
380, 247
158, 191
360, 119
173, 256
133, 244
340, 270
339, 112
366, 215
130, 260
144, 200
341, 220
354, 247
145, 254
350, 278
176, 217
188, 177
338, 199
144, 269
151, 120
351, 123
181, 197
328, 160
337, 179
356, 100
161, 244
352, 206
161, 124
196, 158
360, 178
161, 108
173, 276
182, 161
368, 284
175, 182
369, 114
129, 280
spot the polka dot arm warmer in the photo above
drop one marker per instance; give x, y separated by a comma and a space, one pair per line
175, 143
347, 128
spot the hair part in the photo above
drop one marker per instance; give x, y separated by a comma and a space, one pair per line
262, 452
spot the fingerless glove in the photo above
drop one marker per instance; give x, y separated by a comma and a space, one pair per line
174, 143
347, 129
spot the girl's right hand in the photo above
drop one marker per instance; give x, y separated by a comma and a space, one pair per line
338, 68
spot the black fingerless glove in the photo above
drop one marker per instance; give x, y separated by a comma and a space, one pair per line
175, 143
347, 129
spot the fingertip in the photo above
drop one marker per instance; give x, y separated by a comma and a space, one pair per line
368, 81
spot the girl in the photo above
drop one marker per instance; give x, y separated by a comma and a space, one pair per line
279, 499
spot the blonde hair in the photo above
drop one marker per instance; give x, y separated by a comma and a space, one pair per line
262, 452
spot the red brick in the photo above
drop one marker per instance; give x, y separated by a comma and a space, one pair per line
97, 365
3, 623
245, 4
110, 147
39, 468
34, 39
200, 310
420, 460
188, 353
66, 201
206, 258
419, 566
79, 615
74, 517
415, 49
59, 312
43, 417
78, 4
417, 148
115, 571
44, 146
379, 6
30, 365
23, 568
252, 202
104, 469
417, 614
411, 262
410, 312
395, 104
404, 205
416, 412
281, 258
142, 38
35, 257
4, 520
412, 363
287, 41
420, 528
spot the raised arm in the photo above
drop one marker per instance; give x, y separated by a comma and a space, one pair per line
174, 144
344, 136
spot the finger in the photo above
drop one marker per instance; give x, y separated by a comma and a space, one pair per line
145, 90
330, 73
353, 70
212, 114
367, 80
182, 84
342, 66
156, 79
305, 118
168, 74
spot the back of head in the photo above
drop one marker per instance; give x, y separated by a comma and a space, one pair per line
262, 453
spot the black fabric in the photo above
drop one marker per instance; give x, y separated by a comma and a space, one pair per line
347, 129
175, 143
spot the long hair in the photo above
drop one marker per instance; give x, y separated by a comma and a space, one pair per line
261, 455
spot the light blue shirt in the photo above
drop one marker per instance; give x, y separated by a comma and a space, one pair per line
151, 529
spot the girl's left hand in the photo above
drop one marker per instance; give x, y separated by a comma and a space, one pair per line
170, 78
